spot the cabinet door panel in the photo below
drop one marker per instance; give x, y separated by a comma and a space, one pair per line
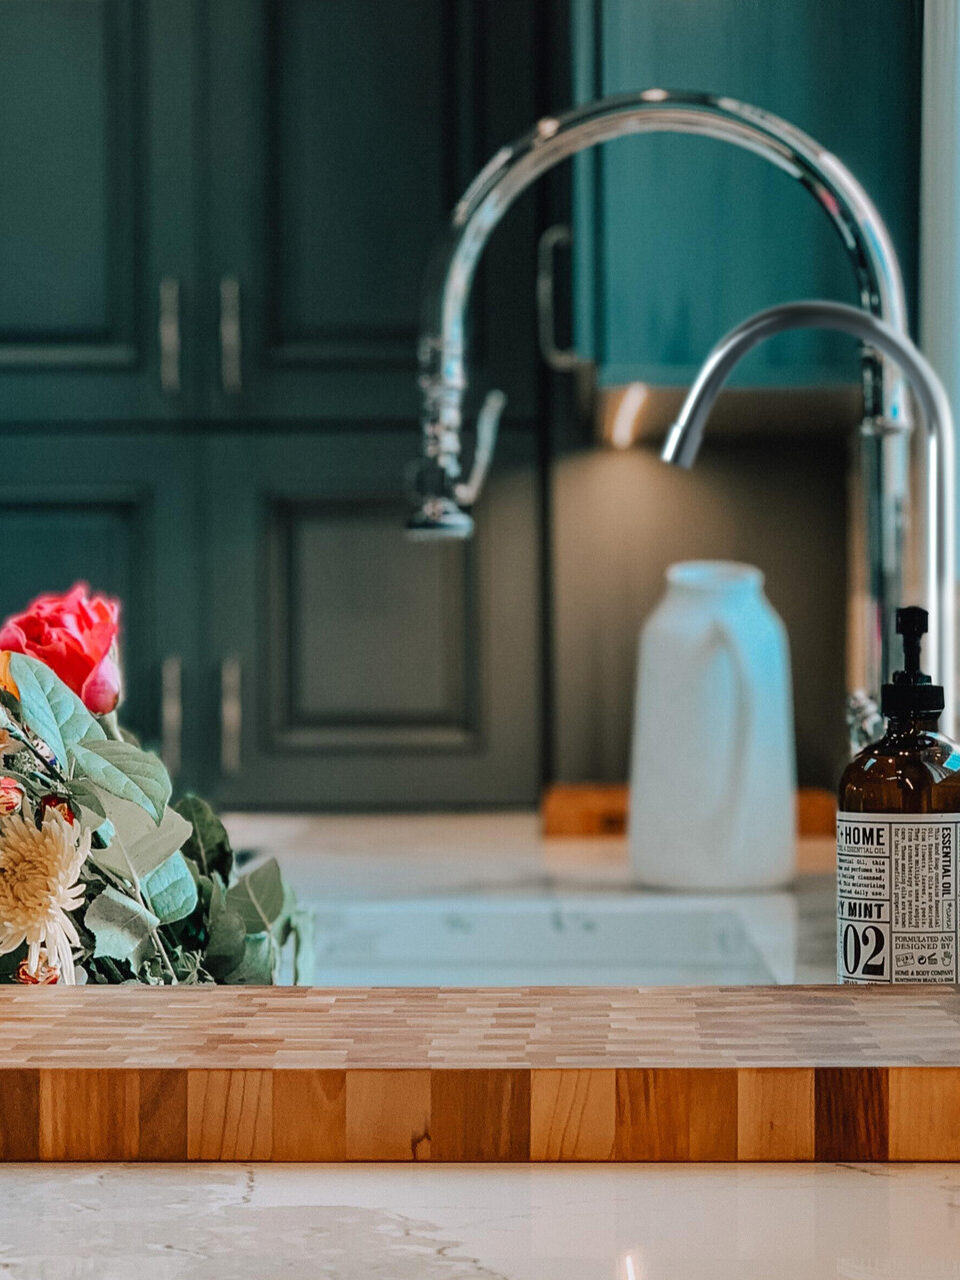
680, 238
95, 205
119, 515
342, 132
373, 671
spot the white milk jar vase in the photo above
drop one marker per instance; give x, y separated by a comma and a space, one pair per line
713, 778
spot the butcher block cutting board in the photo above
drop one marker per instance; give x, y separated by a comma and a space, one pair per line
447, 1074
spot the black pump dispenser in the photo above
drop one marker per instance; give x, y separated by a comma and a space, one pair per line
911, 693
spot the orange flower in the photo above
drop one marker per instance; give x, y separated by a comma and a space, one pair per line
6, 679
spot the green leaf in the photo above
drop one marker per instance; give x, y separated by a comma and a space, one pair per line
209, 846
227, 940
260, 899
170, 890
304, 952
139, 846
51, 710
121, 926
126, 771
87, 797
256, 964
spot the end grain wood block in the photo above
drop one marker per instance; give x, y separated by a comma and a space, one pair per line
19, 1115
573, 1115
924, 1113
229, 1115
480, 1115
669, 1114
388, 1115
163, 1115
775, 1113
852, 1113
89, 1115
309, 1115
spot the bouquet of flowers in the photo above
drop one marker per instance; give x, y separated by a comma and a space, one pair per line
101, 878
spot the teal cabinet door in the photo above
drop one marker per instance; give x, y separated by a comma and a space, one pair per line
347, 666
96, 209
677, 239
341, 134
117, 513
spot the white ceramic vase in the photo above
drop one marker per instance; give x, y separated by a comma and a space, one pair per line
712, 796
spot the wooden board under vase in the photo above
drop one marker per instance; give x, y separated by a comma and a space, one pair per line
447, 1074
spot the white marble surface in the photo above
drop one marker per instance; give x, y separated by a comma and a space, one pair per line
382, 1222
484, 899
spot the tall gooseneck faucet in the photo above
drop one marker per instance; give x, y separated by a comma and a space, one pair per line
443, 494
683, 443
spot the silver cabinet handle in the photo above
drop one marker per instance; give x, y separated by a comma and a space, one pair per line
231, 338
171, 713
168, 332
231, 716
556, 357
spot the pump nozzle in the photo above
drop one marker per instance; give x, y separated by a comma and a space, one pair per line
912, 623
912, 692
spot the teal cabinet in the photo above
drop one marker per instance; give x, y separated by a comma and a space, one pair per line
97, 210
679, 238
118, 512
346, 666
341, 133
215, 217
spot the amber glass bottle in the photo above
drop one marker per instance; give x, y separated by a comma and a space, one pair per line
897, 827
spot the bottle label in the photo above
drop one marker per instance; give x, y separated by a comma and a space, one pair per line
897, 897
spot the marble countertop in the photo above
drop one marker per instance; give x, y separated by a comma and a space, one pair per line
360, 1222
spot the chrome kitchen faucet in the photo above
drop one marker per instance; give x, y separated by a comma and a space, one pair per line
884, 433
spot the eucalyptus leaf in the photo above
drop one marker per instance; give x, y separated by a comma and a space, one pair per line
125, 771
227, 940
260, 899
209, 846
256, 964
51, 710
170, 890
139, 846
304, 951
121, 926
87, 797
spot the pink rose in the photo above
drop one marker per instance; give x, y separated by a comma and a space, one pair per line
75, 635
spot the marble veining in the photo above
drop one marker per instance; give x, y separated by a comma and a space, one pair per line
374, 1222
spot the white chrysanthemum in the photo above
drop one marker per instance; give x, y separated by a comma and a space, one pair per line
38, 886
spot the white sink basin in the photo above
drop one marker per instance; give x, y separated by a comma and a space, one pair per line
632, 939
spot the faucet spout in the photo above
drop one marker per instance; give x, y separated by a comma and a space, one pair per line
686, 434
